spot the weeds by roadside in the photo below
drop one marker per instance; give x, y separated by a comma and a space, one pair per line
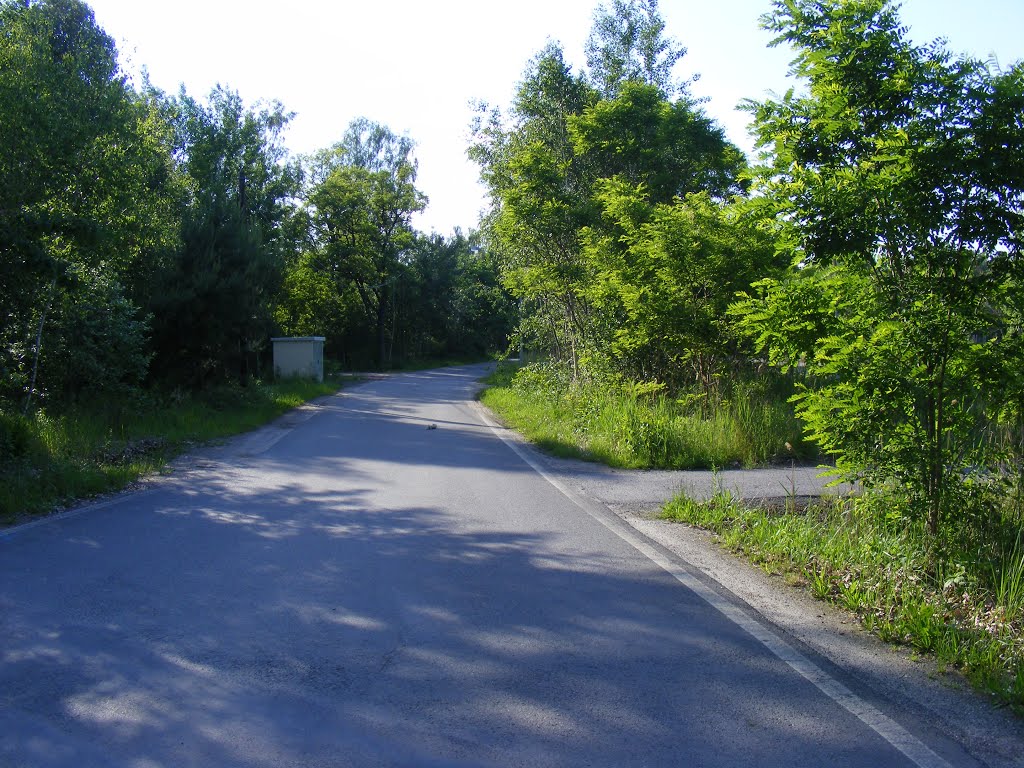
51, 459
963, 605
749, 423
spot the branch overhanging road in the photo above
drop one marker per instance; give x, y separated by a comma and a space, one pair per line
351, 587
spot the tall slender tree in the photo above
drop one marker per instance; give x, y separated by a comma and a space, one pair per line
212, 301
541, 196
627, 44
360, 207
561, 167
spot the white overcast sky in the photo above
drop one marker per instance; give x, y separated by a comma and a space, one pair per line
415, 65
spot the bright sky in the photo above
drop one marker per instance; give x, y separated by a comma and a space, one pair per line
415, 65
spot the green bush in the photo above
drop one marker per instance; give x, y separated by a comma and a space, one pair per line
17, 439
94, 344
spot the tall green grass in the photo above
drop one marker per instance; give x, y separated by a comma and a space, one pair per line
750, 423
51, 458
963, 606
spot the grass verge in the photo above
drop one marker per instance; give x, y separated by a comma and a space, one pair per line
50, 460
966, 610
626, 426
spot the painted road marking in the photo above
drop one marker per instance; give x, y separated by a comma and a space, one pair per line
894, 733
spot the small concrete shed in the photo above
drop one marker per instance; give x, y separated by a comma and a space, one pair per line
301, 356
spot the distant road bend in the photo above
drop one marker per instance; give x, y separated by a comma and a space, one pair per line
348, 587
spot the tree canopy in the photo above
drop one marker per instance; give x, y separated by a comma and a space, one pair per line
581, 163
160, 240
361, 207
897, 174
627, 44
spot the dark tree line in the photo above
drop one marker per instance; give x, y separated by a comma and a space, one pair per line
156, 240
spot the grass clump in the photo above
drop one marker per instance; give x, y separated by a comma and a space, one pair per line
51, 458
949, 598
748, 423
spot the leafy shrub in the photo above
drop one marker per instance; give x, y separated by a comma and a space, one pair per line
94, 343
17, 437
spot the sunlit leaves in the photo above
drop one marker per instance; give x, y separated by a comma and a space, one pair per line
894, 171
628, 44
84, 177
360, 208
667, 272
586, 180
669, 146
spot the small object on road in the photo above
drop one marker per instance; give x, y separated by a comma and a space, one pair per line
431, 426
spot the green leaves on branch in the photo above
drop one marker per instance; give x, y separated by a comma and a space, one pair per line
134, 227
360, 210
211, 298
608, 196
888, 177
83, 176
627, 44
540, 192
158, 239
668, 273
668, 146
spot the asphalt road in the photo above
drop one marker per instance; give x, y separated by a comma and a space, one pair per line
352, 587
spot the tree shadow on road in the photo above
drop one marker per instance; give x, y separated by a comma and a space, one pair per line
209, 627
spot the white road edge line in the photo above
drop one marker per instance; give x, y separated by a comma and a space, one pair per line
894, 733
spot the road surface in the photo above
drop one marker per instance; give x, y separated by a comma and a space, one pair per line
386, 579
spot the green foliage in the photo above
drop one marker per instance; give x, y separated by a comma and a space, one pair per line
211, 299
360, 208
163, 239
668, 272
884, 174
870, 391
592, 224
670, 148
17, 439
447, 303
789, 314
541, 195
82, 180
96, 343
451, 302
311, 304
626, 425
627, 44
966, 609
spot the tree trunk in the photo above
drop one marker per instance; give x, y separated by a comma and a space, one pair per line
382, 310
39, 346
